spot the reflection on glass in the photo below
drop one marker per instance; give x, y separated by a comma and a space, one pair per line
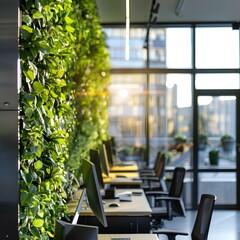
170, 48
127, 114
116, 43
218, 81
223, 185
217, 47
169, 115
216, 121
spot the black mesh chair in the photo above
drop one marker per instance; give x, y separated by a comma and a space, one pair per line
151, 171
166, 205
155, 180
202, 221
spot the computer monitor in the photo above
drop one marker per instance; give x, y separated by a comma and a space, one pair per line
109, 152
113, 145
72, 231
93, 191
68, 231
104, 159
95, 159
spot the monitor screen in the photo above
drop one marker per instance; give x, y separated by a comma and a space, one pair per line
95, 159
113, 144
103, 159
109, 152
93, 191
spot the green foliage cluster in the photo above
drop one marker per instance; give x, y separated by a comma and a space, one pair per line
92, 80
63, 100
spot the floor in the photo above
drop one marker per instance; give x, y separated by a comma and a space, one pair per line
225, 225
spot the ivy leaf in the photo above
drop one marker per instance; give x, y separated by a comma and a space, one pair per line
35, 232
25, 198
70, 29
37, 150
38, 165
37, 15
26, 19
61, 82
29, 112
38, 223
50, 234
38, 87
60, 73
69, 20
27, 28
29, 74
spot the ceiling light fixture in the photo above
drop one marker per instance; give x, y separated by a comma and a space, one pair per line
152, 20
155, 8
127, 29
179, 8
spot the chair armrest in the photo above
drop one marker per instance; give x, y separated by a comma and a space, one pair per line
168, 201
147, 170
147, 174
166, 198
170, 233
149, 178
155, 193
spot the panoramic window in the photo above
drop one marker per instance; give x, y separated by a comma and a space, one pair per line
116, 43
170, 48
217, 48
217, 81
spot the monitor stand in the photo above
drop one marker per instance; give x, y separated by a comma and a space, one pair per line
69, 231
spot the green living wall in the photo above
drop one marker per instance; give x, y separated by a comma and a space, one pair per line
63, 102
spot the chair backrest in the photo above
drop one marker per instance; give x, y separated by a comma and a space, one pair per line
203, 218
160, 166
157, 160
176, 187
177, 181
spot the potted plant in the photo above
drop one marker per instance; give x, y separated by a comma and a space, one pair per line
227, 142
213, 156
180, 141
202, 141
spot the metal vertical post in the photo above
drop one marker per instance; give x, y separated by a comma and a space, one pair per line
8, 119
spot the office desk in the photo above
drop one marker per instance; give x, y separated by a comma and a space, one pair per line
130, 217
132, 236
123, 182
130, 180
131, 168
125, 174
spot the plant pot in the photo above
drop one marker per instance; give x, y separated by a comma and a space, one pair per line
228, 145
214, 160
213, 156
180, 147
202, 146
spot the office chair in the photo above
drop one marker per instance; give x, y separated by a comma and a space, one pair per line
155, 180
166, 205
151, 171
202, 222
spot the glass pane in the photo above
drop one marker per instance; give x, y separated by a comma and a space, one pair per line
223, 185
217, 120
116, 43
217, 48
217, 81
127, 114
170, 114
170, 48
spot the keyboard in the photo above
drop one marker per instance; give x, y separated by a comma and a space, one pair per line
120, 238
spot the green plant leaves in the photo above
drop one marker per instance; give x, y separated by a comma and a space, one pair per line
38, 165
63, 113
38, 223
38, 87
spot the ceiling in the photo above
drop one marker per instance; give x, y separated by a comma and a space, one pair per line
193, 11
